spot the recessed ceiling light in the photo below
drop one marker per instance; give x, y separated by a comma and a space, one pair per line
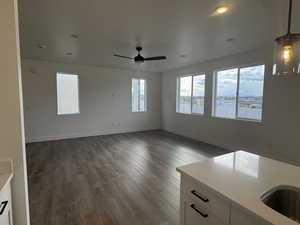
230, 39
75, 36
42, 46
69, 53
32, 70
183, 56
221, 10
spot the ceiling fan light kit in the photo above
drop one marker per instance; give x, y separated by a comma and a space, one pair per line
287, 51
139, 58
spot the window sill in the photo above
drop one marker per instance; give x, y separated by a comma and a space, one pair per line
139, 112
238, 119
69, 114
190, 114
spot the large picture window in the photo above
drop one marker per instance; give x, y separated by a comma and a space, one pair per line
191, 94
67, 94
139, 97
238, 93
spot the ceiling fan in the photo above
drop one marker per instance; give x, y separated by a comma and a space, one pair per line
140, 59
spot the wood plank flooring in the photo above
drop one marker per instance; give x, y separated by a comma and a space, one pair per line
122, 179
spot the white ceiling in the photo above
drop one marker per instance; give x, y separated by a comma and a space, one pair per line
162, 27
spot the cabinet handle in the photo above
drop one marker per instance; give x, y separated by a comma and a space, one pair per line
198, 211
199, 196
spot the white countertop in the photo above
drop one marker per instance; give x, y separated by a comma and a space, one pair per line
6, 172
243, 178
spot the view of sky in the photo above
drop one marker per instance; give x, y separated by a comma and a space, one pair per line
251, 82
198, 86
227, 83
186, 86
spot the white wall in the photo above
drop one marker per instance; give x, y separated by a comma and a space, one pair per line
105, 101
276, 136
11, 120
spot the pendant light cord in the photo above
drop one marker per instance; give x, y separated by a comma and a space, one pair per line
290, 16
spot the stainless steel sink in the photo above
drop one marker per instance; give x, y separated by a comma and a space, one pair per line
285, 200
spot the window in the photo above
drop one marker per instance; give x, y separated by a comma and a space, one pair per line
225, 102
239, 93
139, 98
185, 94
190, 94
67, 94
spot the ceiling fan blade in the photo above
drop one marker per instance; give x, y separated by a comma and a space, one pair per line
122, 56
155, 58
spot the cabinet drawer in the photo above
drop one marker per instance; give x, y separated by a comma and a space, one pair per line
206, 199
195, 215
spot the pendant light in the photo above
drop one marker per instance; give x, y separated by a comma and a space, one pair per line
287, 51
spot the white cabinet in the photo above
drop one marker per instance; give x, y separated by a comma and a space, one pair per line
202, 206
5, 205
193, 215
240, 217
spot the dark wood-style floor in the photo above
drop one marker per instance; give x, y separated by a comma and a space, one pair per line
123, 179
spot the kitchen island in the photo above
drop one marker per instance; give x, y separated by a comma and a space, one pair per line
228, 190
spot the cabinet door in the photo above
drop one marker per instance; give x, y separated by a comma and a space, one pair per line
193, 215
206, 199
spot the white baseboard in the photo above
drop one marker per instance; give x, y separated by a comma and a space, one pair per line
85, 134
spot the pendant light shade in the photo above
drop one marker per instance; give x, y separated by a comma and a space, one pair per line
287, 52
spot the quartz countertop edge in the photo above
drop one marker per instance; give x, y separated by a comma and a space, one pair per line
228, 176
6, 172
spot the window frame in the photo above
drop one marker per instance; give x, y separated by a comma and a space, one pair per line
214, 95
146, 95
78, 89
192, 93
